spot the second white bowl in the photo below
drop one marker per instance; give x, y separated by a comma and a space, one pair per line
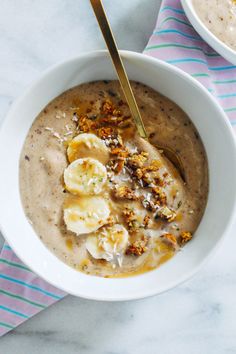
220, 47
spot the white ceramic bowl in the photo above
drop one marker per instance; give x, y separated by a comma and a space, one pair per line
220, 47
217, 137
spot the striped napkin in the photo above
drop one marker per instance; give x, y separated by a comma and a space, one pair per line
175, 41
22, 293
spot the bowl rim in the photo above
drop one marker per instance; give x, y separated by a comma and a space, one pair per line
188, 274
219, 46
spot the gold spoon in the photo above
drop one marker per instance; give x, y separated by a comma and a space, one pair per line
125, 84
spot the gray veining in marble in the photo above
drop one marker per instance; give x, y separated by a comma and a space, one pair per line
198, 317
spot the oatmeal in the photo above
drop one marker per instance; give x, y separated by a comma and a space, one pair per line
102, 199
220, 18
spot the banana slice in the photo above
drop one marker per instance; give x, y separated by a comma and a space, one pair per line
84, 215
85, 176
87, 145
109, 243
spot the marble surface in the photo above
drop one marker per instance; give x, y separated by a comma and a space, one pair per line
198, 316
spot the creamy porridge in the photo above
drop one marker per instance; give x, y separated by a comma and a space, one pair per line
105, 201
220, 18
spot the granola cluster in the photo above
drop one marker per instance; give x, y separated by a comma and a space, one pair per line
124, 192
142, 175
107, 123
185, 237
132, 222
138, 247
130, 218
142, 181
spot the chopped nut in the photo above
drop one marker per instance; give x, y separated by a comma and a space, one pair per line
154, 166
185, 237
149, 174
105, 132
159, 195
86, 125
107, 107
124, 192
146, 221
128, 214
121, 153
138, 160
147, 178
130, 218
138, 247
170, 238
166, 214
158, 180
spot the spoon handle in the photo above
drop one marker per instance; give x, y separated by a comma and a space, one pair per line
117, 61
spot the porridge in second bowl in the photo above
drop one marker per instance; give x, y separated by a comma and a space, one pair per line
220, 18
102, 199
